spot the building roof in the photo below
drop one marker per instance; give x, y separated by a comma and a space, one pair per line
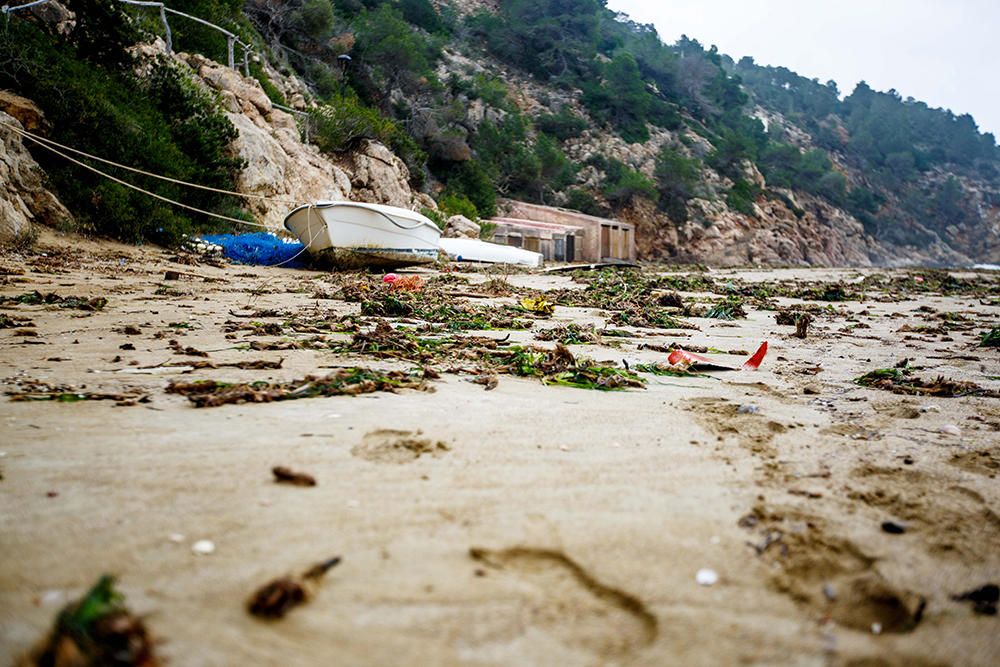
534, 224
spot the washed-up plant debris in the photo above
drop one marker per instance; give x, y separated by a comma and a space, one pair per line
667, 369
441, 310
38, 390
633, 298
571, 334
990, 338
97, 630
279, 596
14, 322
901, 381
561, 367
727, 309
343, 382
285, 475
78, 302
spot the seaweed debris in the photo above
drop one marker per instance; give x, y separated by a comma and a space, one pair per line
571, 334
900, 381
990, 338
560, 367
96, 630
36, 298
343, 382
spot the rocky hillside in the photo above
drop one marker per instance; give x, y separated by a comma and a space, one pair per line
447, 106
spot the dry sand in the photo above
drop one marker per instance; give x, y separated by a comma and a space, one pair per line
553, 526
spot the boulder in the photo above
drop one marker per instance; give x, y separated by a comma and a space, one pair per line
23, 197
28, 115
459, 226
380, 177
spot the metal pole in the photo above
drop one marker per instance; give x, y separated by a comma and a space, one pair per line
166, 28
246, 62
230, 44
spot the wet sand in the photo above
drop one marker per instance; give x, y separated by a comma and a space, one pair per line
553, 525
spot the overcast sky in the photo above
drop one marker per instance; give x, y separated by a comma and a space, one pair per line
943, 52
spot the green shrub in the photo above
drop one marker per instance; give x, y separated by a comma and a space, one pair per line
458, 204
623, 185
584, 202
563, 125
742, 195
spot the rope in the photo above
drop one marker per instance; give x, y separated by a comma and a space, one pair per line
44, 140
139, 189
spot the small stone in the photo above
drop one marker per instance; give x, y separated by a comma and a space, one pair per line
829, 592
893, 528
203, 547
706, 577
876, 628
563, 448
950, 429
929, 408
176, 538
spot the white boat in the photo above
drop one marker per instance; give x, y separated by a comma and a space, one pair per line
471, 250
350, 235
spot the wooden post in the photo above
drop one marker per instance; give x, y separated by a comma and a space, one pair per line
166, 28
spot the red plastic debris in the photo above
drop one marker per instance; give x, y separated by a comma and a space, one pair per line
696, 361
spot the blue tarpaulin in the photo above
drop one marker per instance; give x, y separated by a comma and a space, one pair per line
259, 249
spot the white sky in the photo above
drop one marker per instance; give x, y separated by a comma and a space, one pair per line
943, 52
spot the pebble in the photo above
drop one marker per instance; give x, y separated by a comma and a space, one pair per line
564, 448
829, 592
176, 538
876, 628
203, 547
950, 429
706, 577
930, 408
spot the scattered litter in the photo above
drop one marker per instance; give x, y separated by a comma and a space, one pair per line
984, 599
538, 305
98, 629
747, 410
176, 538
694, 361
259, 249
283, 475
950, 429
706, 577
990, 338
876, 628
930, 408
203, 547
829, 592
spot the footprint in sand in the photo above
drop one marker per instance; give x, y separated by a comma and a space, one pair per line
391, 446
568, 603
834, 577
724, 419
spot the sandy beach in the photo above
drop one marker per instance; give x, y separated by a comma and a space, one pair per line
527, 524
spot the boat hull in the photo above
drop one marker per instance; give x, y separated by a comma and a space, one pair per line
353, 235
471, 250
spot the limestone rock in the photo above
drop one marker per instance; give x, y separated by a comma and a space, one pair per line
459, 226
23, 197
24, 110
379, 177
